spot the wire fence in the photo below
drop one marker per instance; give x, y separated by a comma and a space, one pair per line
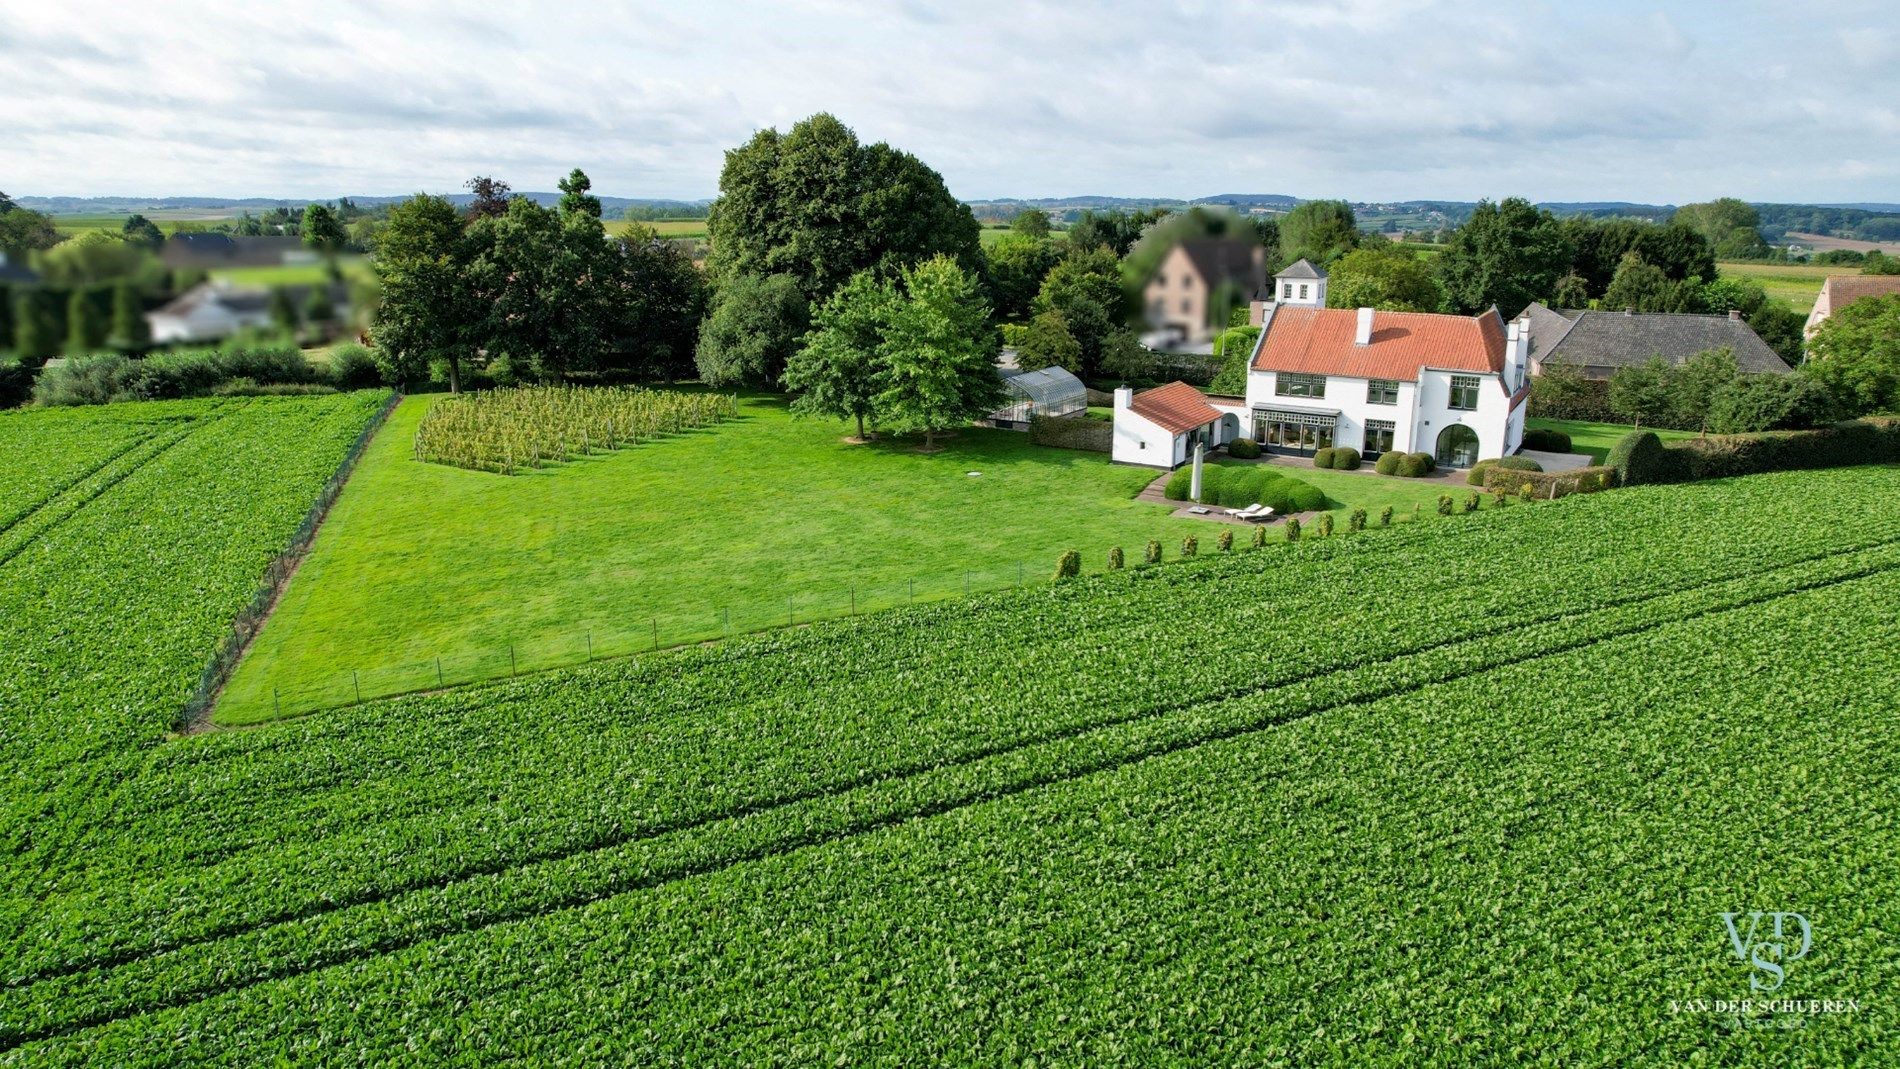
604, 639
197, 711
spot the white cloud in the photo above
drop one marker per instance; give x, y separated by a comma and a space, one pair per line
1361, 98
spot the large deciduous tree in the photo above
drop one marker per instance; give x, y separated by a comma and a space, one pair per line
817, 205
1390, 278
23, 231
1855, 353
1507, 254
1318, 230
1016, 265
1719, 219
1031, 222
1086, 287
141, 232
428, 313
838, 370
940, 353
491, 196
1048, 342
751, 331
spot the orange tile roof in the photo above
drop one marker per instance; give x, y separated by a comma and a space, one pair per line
1175, 407
1319, 341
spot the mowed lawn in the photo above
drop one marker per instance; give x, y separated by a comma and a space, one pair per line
1596, 438
293, 274
689, 536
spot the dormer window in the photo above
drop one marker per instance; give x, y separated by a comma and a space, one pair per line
1302, 291
1286, 290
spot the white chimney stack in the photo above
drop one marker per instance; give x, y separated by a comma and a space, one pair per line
1124, 396
1363, 336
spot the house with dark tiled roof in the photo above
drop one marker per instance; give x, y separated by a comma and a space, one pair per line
1839, 291
1198, 282
14, 272
209, 250
1598, 343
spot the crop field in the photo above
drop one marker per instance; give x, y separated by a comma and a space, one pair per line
1798, 284
1143, 818
168, 220
353, 267
666, 228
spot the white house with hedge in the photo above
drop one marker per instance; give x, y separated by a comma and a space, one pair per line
1318, 378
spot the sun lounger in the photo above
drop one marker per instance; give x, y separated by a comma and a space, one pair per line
1262, 516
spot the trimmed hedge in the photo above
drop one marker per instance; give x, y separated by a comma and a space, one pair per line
1339, 458
1545, 485
1641, 458
1476, 476
1072, 432
1237, 486
1243, 448
1323, 458
1545, 441
1414, 465
1388, 462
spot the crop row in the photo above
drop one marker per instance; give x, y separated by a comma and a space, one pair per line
207, 969
432, 790
109, 625
1301, 895
47, 452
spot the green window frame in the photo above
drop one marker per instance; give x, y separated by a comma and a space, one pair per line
1294, 384
1464, 393
1382, 391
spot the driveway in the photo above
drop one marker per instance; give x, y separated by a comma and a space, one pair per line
1557, 461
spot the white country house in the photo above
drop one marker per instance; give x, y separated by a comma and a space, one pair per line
1453, 386
1159, 428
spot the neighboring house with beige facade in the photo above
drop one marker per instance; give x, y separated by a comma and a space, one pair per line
1839, 291
1199, 282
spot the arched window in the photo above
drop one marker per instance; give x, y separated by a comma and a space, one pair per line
1457, 446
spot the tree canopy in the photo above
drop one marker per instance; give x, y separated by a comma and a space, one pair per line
940, 353
1855, 353
1391, 278
838, 369
141, 232
1015, 266
1507, 254
815, 204
1086, 287
1031, 222
751, 331
1318, 230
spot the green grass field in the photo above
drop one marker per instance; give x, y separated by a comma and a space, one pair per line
666, 228
293, 274
751, 525
1596, 439
1798, 284
166, 220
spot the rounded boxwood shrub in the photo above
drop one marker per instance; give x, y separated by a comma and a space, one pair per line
1412, 466
1475, 477
1324, 457
1326, 525
1546, 441
1305, 497
1356, 520
1444, 504
1244, 448
1527, 493
1471, 501
1388, 462
1639, 457
1115, 559
1259, 536
1346, 458
1293, 529
1430, 461
1385, 516
1153, 553
1190, 546
1225, 542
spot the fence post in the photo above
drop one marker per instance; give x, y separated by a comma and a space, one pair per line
511, 659
277, 701
725, 624
854, 599
590, 645
656, 632
438, 671
358, 684
913, 590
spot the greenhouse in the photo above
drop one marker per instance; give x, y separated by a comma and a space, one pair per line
1049, 392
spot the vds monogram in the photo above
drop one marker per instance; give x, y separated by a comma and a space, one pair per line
1768, 952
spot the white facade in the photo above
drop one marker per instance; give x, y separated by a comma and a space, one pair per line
202, 321
1140, 440
1355, 411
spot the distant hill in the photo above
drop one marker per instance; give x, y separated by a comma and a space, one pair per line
610, 206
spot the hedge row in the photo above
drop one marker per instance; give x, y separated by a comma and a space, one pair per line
1640, 457
1072, 432
1476, 475
1550, 484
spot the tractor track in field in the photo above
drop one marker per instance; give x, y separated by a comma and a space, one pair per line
411, 934
54, 494
80, 495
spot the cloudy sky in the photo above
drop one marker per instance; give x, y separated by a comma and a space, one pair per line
1365, 99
